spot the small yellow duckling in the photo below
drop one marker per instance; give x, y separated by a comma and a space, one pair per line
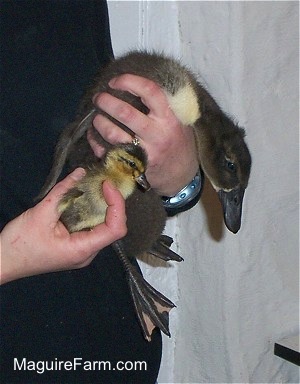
83, 206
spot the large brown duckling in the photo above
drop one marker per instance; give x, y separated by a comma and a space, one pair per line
223, 153
223, 156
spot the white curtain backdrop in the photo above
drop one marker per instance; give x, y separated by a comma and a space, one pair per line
236, 295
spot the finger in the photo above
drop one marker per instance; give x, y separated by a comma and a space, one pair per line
125, 113
151, 94
110, 132
88, 243
98, 150
115, 214
113, 229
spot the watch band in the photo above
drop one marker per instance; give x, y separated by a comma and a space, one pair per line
186, 194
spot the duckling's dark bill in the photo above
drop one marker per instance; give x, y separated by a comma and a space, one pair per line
143, 182
232, 203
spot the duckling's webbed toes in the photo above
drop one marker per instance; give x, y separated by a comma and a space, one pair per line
152, 308
161, 249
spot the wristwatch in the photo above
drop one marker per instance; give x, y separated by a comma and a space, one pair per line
187, 197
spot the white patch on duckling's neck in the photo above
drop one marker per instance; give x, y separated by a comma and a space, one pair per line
217, 189
185, 105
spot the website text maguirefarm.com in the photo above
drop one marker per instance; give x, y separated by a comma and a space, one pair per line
77, 363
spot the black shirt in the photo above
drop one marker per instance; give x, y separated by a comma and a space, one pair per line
49, 53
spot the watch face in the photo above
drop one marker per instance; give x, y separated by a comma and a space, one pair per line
186, 194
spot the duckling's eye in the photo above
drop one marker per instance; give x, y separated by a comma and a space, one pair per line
129, 162
132, 164
231, 166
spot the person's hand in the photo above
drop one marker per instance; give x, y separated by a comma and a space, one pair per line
37, 242
170, 146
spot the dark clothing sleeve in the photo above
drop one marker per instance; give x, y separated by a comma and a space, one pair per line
50, 51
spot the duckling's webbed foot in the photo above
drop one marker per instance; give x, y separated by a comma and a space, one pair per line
161, 249
152, 308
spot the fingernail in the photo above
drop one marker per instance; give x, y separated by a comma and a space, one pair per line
110, 184
78, 173
95, 97
112, 82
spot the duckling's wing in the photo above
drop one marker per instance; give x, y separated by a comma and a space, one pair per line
161, 249
69, 199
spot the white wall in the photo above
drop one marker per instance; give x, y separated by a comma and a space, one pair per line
236, 294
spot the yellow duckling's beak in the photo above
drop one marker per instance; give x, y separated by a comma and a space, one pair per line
143, 182
232, 202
